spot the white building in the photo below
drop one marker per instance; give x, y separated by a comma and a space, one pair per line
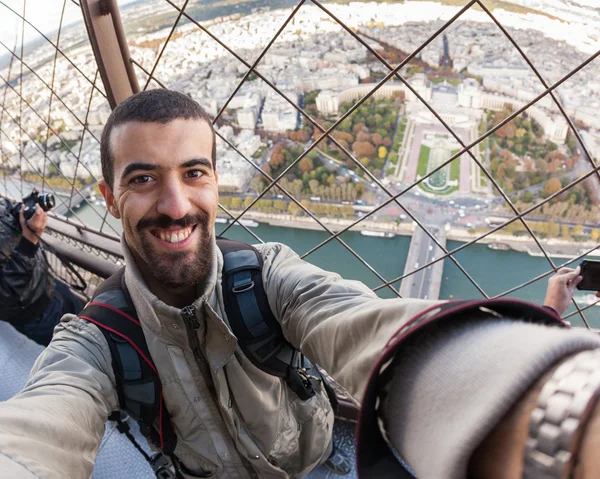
278, 114
469, 94
246, 118
327, 102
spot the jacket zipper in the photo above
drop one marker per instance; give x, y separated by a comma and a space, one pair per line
191, 323
188, 314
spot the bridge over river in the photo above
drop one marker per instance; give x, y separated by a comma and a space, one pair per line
426, 283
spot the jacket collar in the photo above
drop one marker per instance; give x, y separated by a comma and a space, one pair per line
161, 318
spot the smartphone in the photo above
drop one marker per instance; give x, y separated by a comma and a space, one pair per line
590, 270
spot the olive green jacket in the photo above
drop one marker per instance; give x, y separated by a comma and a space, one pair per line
254, 426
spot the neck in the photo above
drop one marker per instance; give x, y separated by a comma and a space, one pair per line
177, 297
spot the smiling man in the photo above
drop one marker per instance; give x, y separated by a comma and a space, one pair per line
166, 195
445, 402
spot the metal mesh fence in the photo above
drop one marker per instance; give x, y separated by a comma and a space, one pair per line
355, 128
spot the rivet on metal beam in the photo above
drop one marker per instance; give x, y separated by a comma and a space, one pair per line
104, 7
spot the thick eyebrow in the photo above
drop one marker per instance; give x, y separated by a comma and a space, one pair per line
137, 166
197, 162
150, 167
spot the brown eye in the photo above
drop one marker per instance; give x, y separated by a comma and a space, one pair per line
141, 179
194, 174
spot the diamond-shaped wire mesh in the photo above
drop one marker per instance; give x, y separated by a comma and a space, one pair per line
450, 126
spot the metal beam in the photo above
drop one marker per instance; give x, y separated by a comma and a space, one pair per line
107, 37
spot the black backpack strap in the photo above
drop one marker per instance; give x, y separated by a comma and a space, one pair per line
259, 334
138, 385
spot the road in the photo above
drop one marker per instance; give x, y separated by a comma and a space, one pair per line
426, 283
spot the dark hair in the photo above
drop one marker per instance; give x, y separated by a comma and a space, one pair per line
151, 106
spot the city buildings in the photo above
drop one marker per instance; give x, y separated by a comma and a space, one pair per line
313, 54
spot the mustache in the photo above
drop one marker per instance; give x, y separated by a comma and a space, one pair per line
165, 222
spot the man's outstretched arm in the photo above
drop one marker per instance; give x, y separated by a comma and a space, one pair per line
454, 388
54, 426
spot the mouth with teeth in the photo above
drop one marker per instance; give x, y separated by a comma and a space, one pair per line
173, 236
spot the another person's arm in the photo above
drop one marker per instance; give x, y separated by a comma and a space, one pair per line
561, 288
54, 426
20, 275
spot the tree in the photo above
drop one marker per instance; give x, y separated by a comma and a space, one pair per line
306, 165
248, 201
595, 234
293, 208
346, 124
553, 229
564, 231
236, 203
552, 186
527, 197
313, 185
382, 152
520, 133
359, 127
363, 148
347, 210
376, 139
257, 183
279, 205
577, 230
362, 136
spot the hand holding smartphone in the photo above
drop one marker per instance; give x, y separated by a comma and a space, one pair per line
590, 270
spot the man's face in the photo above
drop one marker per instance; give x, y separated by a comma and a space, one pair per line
165, 193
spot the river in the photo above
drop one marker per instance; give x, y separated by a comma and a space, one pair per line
494, 271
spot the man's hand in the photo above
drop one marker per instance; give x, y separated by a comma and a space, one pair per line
500, 455
561, 288
35, 226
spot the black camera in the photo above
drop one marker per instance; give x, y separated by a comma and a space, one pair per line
47, 202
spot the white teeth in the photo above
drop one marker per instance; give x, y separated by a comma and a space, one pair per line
175, 237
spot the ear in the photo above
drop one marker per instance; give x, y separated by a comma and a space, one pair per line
109, 197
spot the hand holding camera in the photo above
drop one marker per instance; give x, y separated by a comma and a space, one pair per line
34, 227
32, 214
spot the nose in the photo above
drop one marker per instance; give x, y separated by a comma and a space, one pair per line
173, 200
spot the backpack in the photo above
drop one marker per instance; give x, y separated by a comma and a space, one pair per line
251, 320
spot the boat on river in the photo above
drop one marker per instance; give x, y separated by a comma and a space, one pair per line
499, 246
377, 234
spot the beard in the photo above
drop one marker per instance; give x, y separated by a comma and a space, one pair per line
178, 270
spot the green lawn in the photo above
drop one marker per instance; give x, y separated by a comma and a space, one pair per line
423, 167
399, 135
423, 161
455, 167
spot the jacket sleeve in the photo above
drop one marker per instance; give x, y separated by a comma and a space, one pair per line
339, 324
22, 278
54, 426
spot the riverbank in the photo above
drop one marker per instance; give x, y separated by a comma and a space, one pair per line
555, 247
